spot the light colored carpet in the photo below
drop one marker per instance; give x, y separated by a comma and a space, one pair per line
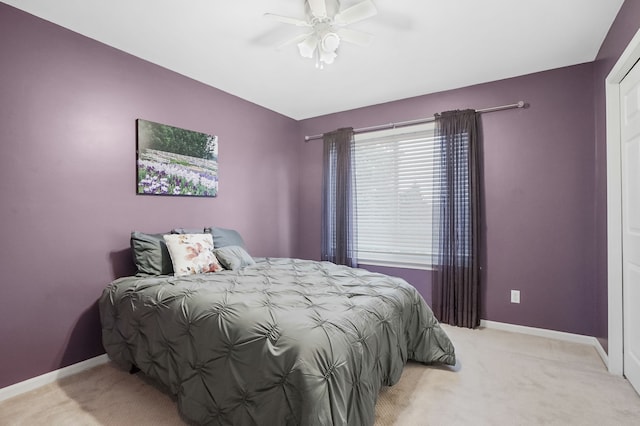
501, 378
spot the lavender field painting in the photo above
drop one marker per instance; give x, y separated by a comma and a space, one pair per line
174, 161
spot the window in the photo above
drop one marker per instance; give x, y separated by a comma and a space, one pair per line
397, 175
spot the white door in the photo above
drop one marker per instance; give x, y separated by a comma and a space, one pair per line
630, 150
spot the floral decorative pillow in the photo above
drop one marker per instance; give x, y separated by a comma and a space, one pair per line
192, 253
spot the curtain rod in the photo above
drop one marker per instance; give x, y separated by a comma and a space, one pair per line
520, 104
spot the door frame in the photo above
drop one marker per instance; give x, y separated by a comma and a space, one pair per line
627, 60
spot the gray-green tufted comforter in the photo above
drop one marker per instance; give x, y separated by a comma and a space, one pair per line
282, 342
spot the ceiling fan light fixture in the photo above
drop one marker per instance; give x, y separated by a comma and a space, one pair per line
307, 46
327, 57
330, 42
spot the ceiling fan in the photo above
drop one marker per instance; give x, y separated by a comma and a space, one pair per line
327, 26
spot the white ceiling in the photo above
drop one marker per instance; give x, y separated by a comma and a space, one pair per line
420, 46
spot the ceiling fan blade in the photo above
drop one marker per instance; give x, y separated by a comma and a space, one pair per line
296, 39
358, 12
308, 46
355, 37
287, 20
318, 8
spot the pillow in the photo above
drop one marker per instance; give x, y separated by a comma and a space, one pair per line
225, 237
192, 254
188, 231
150, 254
234, 257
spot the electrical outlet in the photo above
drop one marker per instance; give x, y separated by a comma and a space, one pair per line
515, 296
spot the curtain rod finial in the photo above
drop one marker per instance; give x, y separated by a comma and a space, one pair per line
521, 104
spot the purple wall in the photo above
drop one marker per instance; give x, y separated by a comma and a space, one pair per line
620, 34
68, 107
538, 182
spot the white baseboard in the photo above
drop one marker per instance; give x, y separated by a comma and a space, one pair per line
45, 379
550, 334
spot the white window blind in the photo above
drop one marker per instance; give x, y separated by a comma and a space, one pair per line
396, 182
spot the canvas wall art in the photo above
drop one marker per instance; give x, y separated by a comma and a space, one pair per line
175, 161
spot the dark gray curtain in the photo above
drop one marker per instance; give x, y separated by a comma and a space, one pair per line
338, 198
456, 284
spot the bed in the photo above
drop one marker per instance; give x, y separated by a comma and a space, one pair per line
271, 340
